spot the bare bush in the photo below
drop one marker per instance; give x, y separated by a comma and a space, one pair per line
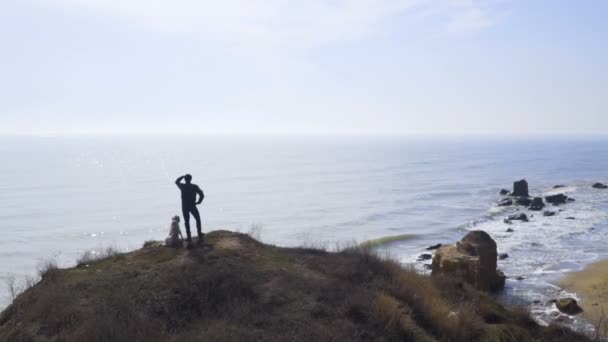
12, 287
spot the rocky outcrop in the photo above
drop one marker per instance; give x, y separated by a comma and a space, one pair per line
537, 204
473, 259
568, 306
600, 186
557, 199
520, 189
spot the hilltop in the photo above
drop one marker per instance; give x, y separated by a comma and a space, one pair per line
234, 288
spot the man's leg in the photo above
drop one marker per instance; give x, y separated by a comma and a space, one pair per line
197, 217
186, 214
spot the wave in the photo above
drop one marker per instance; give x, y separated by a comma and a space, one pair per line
383, 241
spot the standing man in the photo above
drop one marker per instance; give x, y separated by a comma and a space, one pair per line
189, 204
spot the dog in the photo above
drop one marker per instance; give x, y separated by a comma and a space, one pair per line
175, 237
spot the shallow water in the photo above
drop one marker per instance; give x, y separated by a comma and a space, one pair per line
60, 197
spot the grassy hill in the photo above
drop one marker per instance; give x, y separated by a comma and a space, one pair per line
234, 288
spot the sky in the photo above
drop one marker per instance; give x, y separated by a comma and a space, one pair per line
303, 67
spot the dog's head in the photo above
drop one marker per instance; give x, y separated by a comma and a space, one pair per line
175, 218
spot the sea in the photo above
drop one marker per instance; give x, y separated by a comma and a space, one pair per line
63, 196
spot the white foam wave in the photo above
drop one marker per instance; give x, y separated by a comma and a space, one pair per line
562, 190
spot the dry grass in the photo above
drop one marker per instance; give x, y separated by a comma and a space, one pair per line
149, 243
260, 292
601, 327
88, 257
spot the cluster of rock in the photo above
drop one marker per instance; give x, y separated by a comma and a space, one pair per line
521, 196
474, 259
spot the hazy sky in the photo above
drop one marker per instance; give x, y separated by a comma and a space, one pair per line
303, 66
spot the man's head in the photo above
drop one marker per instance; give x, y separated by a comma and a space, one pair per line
188, 178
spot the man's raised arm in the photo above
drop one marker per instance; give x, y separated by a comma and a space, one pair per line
178, 181
201, 195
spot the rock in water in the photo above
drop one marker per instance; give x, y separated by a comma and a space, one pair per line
600, 186
474, 258
526, 202
521, 217
505, 192
503, 256
568, 306
549, 213
559, 186
423, 257
505, 202
557, 199
430, 248
520, 189
537, 204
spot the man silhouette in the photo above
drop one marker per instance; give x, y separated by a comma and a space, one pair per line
189, 204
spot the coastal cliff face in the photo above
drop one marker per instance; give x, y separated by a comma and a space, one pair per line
234, 288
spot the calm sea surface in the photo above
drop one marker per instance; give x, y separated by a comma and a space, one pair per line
61, 197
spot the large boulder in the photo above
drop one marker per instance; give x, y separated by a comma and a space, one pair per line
525, 201
473, 259
557, 199
520, 189
600, 186
537, 204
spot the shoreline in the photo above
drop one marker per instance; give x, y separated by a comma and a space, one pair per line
591, 285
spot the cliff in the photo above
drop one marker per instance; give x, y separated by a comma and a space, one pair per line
234, 288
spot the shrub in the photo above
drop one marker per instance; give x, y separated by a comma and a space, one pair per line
149, 243
48, 269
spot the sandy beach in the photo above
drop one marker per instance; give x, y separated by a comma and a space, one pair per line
591, 284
